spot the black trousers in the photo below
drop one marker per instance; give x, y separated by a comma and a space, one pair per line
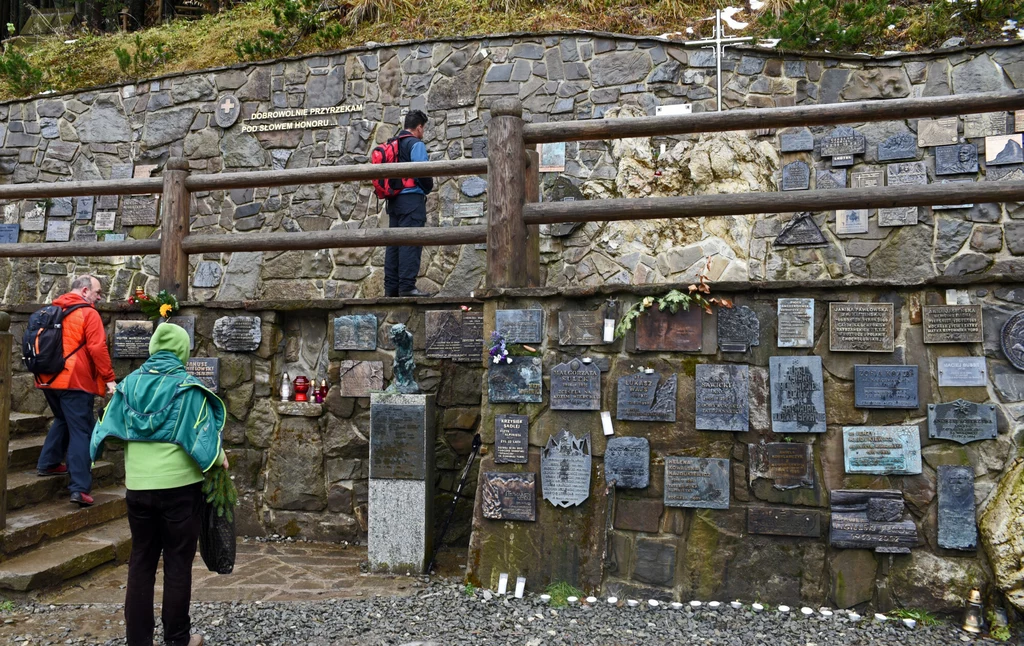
402, 264
162, 521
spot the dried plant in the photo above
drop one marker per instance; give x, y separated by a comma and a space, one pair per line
360, 11
777, 7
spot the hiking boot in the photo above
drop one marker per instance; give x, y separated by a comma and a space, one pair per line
59, 470
415, 292
85, 500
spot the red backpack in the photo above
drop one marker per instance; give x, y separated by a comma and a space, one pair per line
388, 153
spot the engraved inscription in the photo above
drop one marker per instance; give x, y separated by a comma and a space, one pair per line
958, 529
882, 450
861, 327
565, 469
131, 339
511, 439
520, 326
627, 462
581, 328
962, 371
509, 496
798, 396
397, 435
885, 386
206, 370
796, 322
962, 421
641, 398
697, 482
575, 386
722, 398
238, 333
952, 324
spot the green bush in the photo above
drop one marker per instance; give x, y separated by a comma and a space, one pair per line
144, 60
21, 76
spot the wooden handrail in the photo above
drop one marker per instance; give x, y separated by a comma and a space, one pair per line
335, 239
68, 249
42, 190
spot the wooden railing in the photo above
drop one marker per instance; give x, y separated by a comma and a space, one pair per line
6, 346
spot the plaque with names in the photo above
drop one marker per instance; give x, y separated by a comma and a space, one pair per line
575, 386
800, 231
958, 529
796, 323
852, 221
907, 174
797, 141
511, 439
722, 397
644, 397
83, 208
899, 146
830, 179
509, 496
860, 327
105, 220
520, 326
581, 327
397, 448
58, 230
797, 395
662, 331
469, 210
206, 370
518, 382
107, 202
853, 530
138, 210
937, 132
900, 216
946, 207
956, 159
238, 333
882, 450
738, 329
131, 339
952, 324
796, 176
627, 462
355, 332
776, 521
34, 220
790, 465
866, 179
61, 207
962, 421
565, 469
844, 141
360, 378
962, 372
9, 233
697, 482
1002, 150
85, 234
455, 334
885, 386
986, 124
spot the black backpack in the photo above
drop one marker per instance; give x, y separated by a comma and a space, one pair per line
42, 347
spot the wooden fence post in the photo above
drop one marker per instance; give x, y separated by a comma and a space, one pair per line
533, 230
506, 186
6, 346
174, 227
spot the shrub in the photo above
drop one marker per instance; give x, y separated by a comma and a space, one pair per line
145, 59
21, 76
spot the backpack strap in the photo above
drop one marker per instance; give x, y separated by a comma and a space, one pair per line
63, 314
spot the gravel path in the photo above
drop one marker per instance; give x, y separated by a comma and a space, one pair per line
444, 615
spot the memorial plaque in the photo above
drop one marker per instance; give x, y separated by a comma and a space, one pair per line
885, 386
860, 327
83, 208
397, 448
509, 496
238, 333
830, 179
565, 469
144, 171
105, 220
9, 233
58, 230
866, 179
851, 528
946, 207
581, 328
138, 211
456, 335
11, 213
122, 171
852, 221
798, 141
1011, 339
511, 439
801, 230
351, 332
958, 528
898, 146
1018, 120
937, 132
518, 382
986, 124
226, 110
85, 234
997, 174
641, 398
907, 174
107, 202
206, 370
697, 482
723, 397
962, 421
844, 141
34, 220
956, 159
113, 237
796, 176
575, 386
520, 326
627, 462
469, 210
360, 378
131, 339
61, 207
187, 323
798, 395
900, 216
1003, 150
885, 510
882, 450
789, 465
662, 331
775, 521
952, 324
796, 323
841, 161
962, 371
738, 329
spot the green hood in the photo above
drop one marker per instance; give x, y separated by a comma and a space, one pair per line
174, 338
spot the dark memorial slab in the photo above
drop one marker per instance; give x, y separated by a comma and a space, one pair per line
907, 174
360, 378
802, 230
509, 496
187, 323
789, 465
396, 441
238, 333
520, 326
565, 469
851, 527
83, 208
641, 398
662, 331
797, 141
85, 234
575, 385
581, 328
518, 382
962, 371
860, 327
885, 386
455, 334
131, 339
117, 171
958, 528
206, 370
796, 176
138, 210
962, 421
796, 323
830, 179
9, 233
952, 324
775, 521
722, 397
844, 141
58, 231
627, 462
797, 394
937, 132
882, 450
1011, 338
956, 159
738, 329
355, 332
697, 482
511, 439
899, 146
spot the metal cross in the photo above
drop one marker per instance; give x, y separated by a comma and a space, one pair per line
227, 105
717, 43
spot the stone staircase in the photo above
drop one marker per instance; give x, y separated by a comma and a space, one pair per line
47, 539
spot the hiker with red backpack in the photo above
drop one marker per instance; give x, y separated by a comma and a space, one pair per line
65, 346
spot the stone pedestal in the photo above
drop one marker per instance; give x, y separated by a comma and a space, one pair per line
401, 492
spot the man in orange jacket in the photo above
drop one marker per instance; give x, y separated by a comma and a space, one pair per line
71, 394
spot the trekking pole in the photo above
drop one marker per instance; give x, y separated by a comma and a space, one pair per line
455, 501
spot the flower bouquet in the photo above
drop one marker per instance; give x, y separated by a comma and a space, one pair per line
161, 307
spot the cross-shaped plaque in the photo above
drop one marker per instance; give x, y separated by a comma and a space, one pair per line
228, 105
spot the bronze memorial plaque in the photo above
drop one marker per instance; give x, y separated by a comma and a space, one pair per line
860, 327
581, 327
952, 324
658, 331
509, 496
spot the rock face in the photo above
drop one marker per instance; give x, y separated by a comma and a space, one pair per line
295, 476
1002, 533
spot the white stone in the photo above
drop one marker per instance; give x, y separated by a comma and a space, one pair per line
400, 528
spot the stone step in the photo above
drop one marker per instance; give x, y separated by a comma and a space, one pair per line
23, 451
29, 423
25, 488
67, 557
50, 520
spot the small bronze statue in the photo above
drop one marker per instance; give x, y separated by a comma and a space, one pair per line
404, 381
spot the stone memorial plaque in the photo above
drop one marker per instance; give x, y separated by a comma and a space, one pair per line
790, 465
986, 124
520, 326
882, 450
144, 171
206, 370
34, 220
85, 234
852, 528
796, 323
581, 328
509, 496
641, 398
360, 378
962, 421
952, 324
105, 220
627, 462
801, 230
797, 141
946, 207
113, 237
723, 397
11, 213
738, 329
1018, 120
830, 179
775, 521
907, 174
997, 174
956, 159
565, 469
208, 274
900, 216
187, 323
866, 179
351, 332
852, 221
697, 482
518, 382
1003, 150
122, 171
107, 202
58, 230
137, 210
131, 339
958, 528
885, 510
61, 207
469, 210
9, 233
860, 327
963, 371
844, 141
84, 207
456, 335
662, 331
238, 333
798, 395
575, 386
511, 439
396, 442
796, 176
937, 132
885, 386
898, 146
226, 110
